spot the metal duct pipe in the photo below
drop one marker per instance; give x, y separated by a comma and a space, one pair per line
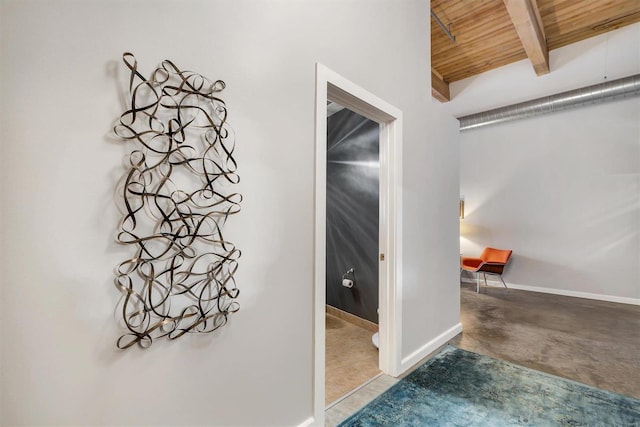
444, 28
601, 92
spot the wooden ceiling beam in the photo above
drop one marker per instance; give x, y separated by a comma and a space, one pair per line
439, 88
486, 37
526, 19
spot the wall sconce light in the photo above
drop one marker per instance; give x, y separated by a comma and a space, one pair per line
462, 208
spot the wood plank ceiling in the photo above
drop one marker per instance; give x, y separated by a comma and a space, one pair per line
492, 33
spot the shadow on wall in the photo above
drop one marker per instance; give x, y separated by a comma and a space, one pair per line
567, 257
547, 275
352, 213
562, 191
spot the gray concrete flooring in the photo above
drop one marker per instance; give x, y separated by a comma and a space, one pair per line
592, 342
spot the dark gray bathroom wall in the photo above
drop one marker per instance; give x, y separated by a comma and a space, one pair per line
352, 212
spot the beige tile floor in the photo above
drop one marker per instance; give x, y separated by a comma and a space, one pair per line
350, 404
351, 359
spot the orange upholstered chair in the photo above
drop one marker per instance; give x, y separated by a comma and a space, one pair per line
491, 261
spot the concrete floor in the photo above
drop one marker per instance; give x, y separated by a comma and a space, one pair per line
592, 342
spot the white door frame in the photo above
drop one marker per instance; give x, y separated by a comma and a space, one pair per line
332, 86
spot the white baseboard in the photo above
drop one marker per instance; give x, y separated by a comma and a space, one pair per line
306, 423
564, 292
429, 347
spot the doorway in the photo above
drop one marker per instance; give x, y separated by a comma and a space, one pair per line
331, 86
352, 216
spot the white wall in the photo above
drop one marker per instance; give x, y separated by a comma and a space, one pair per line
561, 190
61, 86
606, 57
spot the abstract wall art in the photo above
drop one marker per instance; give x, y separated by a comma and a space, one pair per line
176, 196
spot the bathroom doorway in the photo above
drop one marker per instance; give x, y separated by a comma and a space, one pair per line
352, 215
331, 86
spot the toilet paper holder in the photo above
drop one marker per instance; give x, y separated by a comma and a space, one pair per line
346, 281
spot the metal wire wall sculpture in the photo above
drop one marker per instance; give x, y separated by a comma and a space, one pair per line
181, 277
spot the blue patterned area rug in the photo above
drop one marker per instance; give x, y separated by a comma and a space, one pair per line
460, 388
